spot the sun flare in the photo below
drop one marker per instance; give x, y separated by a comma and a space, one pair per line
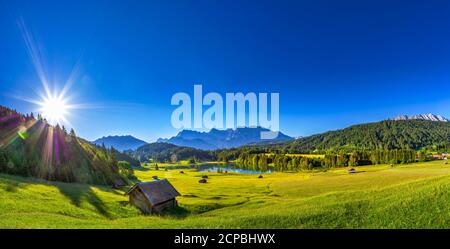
54, 109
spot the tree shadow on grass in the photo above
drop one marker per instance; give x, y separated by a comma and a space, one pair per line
11, 186
80, 192
124, 203
176, 212
140, 168
75, 192
357, 172
13, 183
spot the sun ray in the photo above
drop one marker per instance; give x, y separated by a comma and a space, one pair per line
35, 54
53, 102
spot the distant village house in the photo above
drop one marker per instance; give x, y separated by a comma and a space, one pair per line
442, 156
153, 197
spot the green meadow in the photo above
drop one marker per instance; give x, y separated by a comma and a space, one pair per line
408, 196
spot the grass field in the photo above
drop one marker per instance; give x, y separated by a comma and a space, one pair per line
410, 196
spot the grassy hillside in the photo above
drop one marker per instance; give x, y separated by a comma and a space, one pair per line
410, 196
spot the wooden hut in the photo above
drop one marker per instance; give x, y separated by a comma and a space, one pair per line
153, 197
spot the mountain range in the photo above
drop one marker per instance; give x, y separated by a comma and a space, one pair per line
221, 139
351, 136
429, 117
121, 143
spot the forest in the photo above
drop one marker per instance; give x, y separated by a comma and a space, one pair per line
293, 162
384, 135
31, 147
166, 152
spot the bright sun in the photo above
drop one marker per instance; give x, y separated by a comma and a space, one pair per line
54, 109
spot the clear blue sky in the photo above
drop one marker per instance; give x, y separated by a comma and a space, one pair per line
334, 63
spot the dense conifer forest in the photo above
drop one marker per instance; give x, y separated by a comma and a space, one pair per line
29, 146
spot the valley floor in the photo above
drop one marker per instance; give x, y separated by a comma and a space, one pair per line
409, 196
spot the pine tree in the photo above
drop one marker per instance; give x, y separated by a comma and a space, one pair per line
72, 133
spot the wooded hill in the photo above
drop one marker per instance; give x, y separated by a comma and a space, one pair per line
29, 146
384, 135
165, 152
386, 142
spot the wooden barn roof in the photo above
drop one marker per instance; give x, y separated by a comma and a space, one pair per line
157, 191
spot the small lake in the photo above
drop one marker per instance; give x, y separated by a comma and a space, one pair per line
229, 168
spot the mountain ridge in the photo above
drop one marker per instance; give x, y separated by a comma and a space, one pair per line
221, 139
428, 116
120, 142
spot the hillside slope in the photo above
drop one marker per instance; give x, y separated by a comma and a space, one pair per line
169, 152
31, 147
411, 134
